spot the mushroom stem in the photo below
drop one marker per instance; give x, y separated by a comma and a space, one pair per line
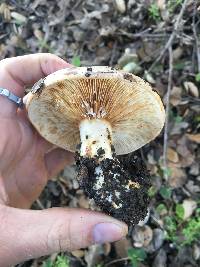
96, 138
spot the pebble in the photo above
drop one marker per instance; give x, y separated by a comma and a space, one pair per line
189, 206
142, 236
157, 241
120, 5
78, 35
196, 252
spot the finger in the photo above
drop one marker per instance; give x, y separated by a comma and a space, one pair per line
42, 145
57, 159
18, 72
31, 234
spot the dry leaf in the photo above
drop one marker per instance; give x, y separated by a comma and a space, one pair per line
182, 148
78, 253
189, 206
83, 202
38, 34
106, 248
196, 251
148, 76
142, 236
177, 176
195, 168
194, 137
120, 5
161, 4
192, 187
122, 247
179, 127
5, 10
19, 17
172, 155
177, 53
93, 255
175, 97
192, 89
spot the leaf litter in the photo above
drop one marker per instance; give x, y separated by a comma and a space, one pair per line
136, 36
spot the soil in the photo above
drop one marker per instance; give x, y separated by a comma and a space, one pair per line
124, 191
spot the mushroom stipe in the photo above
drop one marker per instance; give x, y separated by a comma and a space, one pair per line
124, 193
109, 113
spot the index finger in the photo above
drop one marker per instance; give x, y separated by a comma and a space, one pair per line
18, 72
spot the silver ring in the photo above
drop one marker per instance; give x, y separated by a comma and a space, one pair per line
17, 100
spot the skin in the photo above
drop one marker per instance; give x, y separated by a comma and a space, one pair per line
27, 161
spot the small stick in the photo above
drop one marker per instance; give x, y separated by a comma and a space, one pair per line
172, 36
167, 113
117, 260
113, 53
39, 203
195, 36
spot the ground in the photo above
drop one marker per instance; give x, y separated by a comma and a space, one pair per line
159, 41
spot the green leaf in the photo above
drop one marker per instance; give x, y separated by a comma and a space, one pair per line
161, 208
137, 253
47, 263
171, 227
152, 191
165, 192
178, 119
197, 118
172, 4
179, 211
61, 261
167, 172
134, 262
76, 61
191, 231
154, 12
198, 211
179, 66
197, 77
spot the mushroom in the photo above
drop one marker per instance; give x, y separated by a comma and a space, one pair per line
106, 112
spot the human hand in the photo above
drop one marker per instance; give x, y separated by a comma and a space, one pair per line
27, 161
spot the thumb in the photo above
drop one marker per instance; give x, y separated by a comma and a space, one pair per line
27, 234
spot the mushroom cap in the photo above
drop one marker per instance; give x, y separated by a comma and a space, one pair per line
57, 104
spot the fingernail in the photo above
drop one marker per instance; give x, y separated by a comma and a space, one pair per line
107, 232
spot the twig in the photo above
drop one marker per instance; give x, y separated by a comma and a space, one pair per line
132, 35
117, 260
195, 36
39, 203
3, 35
157, 222
172, 36
142, 34
113, 53
165, 145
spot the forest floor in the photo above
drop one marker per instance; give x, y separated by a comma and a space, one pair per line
160, 42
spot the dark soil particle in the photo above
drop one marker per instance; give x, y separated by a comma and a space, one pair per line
87, 74
128, 77
89, 68
123, 192
100, 152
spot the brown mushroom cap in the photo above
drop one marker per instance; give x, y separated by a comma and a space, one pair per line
134, 111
